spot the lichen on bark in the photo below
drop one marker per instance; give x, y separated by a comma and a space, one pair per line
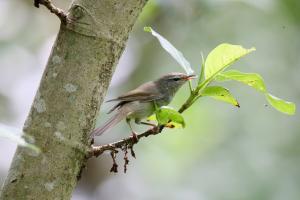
71, 91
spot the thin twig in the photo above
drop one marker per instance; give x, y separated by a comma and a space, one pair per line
114, 167
57, 11
126, 160
98, 150
132, 152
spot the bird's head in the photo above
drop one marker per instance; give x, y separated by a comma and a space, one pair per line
171, 82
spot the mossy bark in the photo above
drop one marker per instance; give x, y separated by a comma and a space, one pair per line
71, 91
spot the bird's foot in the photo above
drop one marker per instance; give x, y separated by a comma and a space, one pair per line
135, 138
147, 123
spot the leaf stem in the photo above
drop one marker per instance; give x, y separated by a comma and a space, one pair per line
201, 77
191, 86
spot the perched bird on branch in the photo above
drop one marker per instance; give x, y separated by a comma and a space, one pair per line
141, 102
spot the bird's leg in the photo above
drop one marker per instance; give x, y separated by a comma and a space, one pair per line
145, 123
134, 135
149, 124
137, 121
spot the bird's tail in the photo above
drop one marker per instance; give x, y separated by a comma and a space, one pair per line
110, 123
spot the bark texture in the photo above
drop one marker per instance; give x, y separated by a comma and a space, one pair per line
71, 91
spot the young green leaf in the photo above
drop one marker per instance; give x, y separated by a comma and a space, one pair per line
281, 105
152, 118
10, 133
220, 93
170, 124
251, 79
177, 55
166, 114
223, 56
257, 82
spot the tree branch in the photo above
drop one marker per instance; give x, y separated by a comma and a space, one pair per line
126, 142
57, 11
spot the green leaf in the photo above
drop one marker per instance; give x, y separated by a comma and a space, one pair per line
251, 79
10, 133
257, 82
220, 93
152, 118
281, 105
223, 56
165, 115
177, 55
169, 125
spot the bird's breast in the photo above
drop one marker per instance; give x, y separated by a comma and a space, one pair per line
164, 101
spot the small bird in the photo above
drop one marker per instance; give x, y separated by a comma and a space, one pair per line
141, 102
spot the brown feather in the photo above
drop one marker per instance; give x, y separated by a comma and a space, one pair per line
146, 92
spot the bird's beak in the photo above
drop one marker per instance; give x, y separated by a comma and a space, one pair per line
190, 77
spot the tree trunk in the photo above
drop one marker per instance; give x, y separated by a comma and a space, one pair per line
71, 91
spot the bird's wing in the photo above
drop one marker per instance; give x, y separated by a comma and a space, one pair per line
145, 92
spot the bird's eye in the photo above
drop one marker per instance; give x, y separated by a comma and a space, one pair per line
176, 79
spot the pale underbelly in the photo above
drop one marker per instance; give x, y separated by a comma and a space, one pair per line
138, 110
